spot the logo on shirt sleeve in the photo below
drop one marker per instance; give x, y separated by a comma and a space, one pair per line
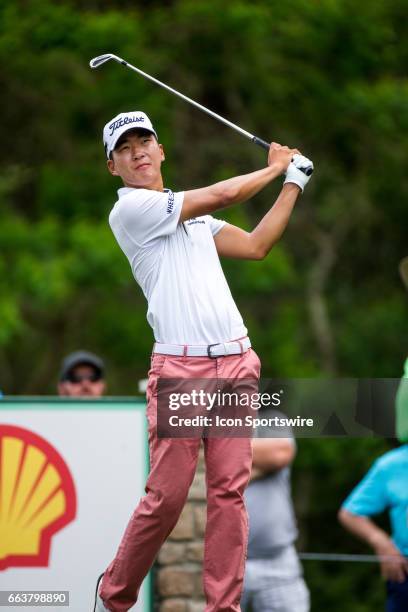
170, 202
194, 220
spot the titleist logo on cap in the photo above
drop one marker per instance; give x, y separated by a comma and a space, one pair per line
117, 124
122, 123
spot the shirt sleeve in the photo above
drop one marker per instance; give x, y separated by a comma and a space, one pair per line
146, 214
215, 224
369, 496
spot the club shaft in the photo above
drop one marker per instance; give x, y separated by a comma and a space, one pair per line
196, 104
101, 59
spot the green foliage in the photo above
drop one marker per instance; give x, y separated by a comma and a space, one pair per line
328, 77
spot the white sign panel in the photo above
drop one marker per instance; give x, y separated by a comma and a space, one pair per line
71, 475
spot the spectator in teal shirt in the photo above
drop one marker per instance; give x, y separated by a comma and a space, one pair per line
384, 487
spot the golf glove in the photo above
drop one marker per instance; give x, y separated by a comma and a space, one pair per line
295, 175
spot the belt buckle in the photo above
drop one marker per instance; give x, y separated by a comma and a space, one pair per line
209, 347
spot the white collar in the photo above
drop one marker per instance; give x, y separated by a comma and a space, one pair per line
125, 190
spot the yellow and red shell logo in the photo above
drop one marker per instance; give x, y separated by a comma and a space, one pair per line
37, 497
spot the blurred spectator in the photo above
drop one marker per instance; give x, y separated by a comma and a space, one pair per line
82, 375
273, 576
402, 395
402, 407
384, 487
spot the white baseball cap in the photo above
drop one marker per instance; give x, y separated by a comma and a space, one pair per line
122, 123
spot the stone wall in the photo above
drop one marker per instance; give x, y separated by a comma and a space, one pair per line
178, 570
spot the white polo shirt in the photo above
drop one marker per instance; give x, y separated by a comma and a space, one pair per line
177, 266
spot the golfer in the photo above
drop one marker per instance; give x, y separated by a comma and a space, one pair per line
173, 244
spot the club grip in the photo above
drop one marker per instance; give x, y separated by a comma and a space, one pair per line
266, 145
261, 143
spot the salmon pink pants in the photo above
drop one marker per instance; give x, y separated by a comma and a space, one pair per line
173, 463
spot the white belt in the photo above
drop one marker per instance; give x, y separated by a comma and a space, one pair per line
220, 349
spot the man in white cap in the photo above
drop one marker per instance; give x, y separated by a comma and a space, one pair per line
173, 244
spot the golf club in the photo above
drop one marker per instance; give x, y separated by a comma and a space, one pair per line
101, 59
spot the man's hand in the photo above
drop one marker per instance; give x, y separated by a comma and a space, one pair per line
395, 569
294, 174
280, 156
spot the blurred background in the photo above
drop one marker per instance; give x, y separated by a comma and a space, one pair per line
326, 76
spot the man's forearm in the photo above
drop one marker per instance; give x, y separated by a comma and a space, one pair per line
394, 566
198, 202
269, 454
241, 188
273, 224
363, 527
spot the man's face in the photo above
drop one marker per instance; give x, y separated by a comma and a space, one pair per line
84, 381
137, 159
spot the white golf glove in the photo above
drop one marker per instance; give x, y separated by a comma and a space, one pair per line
295, 175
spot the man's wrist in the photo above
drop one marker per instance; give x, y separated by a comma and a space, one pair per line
291, 188
275, 169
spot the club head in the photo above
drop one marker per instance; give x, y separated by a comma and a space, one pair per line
101, 59
403, 270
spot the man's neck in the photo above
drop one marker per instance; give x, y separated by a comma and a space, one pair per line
158, 186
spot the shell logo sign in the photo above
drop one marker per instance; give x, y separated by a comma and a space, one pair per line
37, 497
